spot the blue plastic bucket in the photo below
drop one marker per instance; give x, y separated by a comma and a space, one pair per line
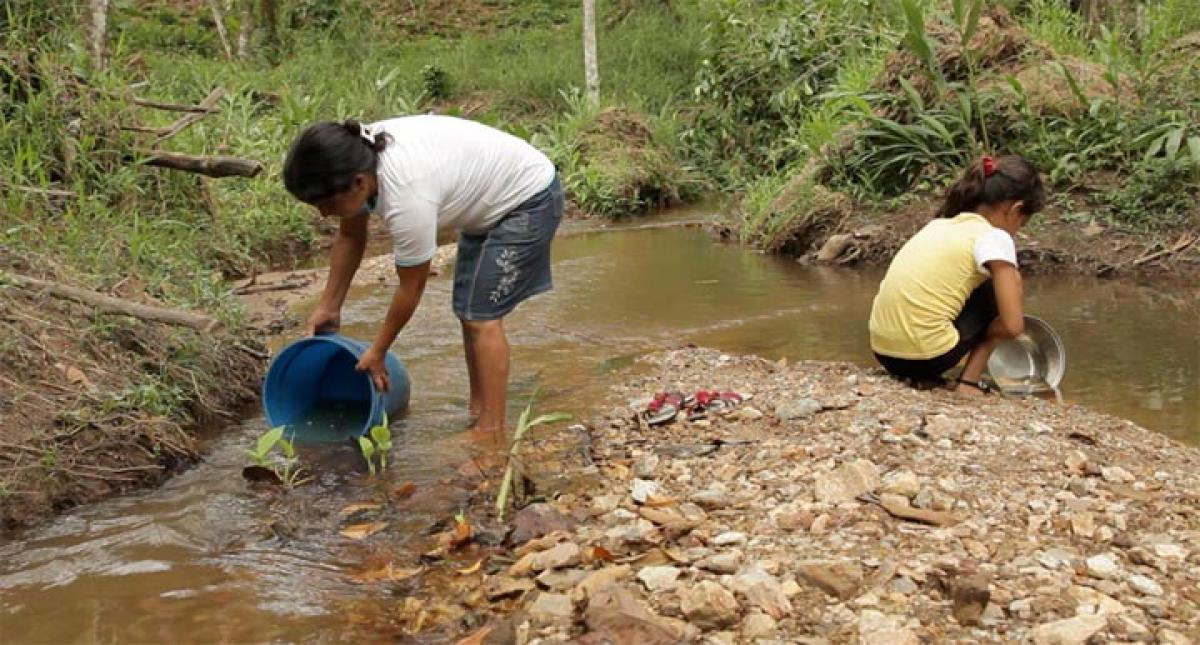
318, 372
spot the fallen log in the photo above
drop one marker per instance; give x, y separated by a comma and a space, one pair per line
109, 304
210, 166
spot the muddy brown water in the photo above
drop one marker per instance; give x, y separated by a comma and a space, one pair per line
206, 558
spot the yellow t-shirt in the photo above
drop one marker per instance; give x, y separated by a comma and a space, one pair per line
925, 289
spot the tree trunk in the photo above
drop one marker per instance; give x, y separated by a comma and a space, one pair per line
245, 30
591, 66
97, 31
269, 15
220, 21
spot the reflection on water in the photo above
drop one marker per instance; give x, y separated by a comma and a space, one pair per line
207, 559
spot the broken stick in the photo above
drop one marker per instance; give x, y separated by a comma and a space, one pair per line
209, 166
208, 104
109, 304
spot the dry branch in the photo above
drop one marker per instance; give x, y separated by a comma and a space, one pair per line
184, 121
209, 166
220, 21
110, 304
172, 107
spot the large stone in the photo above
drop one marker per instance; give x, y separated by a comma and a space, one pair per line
549, 608
1090, 601
970, 595
841, 580
564, 554
1072, 631
1116, 474
724, 562
599, 579
1104, 566
1083, 524
940, 426
758, 625
710, 499
901, 482
535, 521
847, 482
768, 596
1145, 585
614, 615
729, 538
659, 578
797, 409
641, 490
561, 579
709, 605
498, 587
890, 637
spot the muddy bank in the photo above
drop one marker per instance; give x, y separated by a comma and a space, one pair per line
94, 404
836, 505
839, 233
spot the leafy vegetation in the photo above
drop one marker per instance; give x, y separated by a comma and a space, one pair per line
376, 445
524, 425
1087, 104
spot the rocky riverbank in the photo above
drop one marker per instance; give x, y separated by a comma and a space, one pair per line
836, 505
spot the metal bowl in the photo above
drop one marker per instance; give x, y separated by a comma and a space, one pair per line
1032, 362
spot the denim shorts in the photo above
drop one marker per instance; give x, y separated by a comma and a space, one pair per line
499, 269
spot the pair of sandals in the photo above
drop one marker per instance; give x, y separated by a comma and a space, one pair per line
666, 406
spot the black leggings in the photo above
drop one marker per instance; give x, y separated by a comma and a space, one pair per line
972, 324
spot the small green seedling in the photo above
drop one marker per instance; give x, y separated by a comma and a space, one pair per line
263, 446
290, 470
523, 425
377, 442
368, 453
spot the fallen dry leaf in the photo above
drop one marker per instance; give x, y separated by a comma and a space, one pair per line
473, 568
460, 535
659, 501
75, 376
357, 508
404, 490
603, 554
362, 531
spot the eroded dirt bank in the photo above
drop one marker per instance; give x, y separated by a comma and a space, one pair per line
837, 505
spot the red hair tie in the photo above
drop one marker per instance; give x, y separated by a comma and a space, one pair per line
989, 167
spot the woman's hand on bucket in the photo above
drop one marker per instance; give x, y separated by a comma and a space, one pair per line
323, 321
374, 363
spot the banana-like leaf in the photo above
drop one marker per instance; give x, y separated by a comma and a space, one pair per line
268, 440
553, 417
972, 22
368, 448
1174, 141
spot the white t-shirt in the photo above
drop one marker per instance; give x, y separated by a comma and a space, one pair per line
996, 244
440, 174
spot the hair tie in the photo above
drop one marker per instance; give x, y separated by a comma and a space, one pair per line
989, 167
367, 133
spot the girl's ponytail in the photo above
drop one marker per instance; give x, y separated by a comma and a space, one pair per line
992, 180
376, 140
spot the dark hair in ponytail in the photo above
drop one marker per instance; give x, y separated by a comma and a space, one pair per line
324, 159
992, 180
